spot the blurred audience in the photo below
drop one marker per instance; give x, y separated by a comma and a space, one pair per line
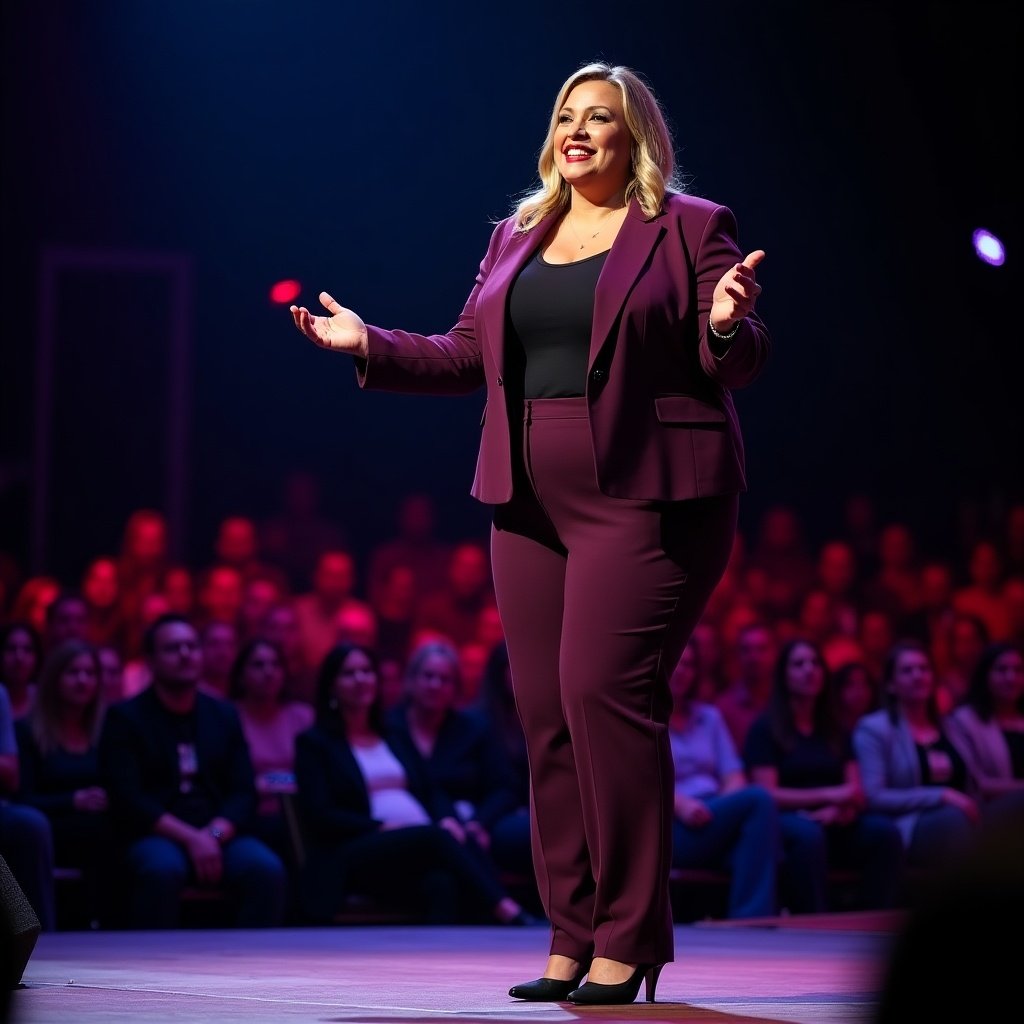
797, 750
720, 820
291, 579
58, 744
910, 767
176, 767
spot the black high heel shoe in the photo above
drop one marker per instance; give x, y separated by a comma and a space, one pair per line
548, 990
596, 994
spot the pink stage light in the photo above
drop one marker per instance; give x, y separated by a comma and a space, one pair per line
988, 248
285, 292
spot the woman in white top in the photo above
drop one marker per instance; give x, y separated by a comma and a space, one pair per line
373, 823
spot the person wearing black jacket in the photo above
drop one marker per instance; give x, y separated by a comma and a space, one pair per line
372, 821
182, 794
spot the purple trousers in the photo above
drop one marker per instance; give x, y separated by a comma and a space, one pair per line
598, 596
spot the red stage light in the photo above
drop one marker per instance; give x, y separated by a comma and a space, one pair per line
285, 292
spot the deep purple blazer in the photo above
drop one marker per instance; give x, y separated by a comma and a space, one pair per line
661, 416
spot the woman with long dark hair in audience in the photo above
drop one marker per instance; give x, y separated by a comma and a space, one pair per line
270, 721
374, 823
988, 728
60, 776
911, 769
799, 752
21, 656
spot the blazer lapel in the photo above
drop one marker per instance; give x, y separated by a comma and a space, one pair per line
512, 258
626, 259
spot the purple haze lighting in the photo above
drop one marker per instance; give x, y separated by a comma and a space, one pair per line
989, 248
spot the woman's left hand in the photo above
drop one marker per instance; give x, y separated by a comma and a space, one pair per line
736, 293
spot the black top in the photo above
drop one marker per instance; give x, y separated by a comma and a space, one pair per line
333, 798
942, 765
1015, 744
195, 766
50, 781
811, 763
551, 310
467, 763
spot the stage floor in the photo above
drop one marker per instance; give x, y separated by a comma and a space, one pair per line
805, 971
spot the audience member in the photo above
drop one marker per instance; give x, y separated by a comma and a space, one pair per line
454, 610
260, 593
459, 748
797, 750
746, 696
988, 728
982, 595
876, 637
334, 586
34, 597
111, 673
854, 693
218, 648
21, 656
237, 545
415, 544
721, 821
26, 839
911, 769
356, 623
67, 618
101, 589
220, 596
837, 576
270, 722
957, 654
896, 585
295, 537
178, 774
58, 746
281, 628
510, 834
374, 824
707, 648
393, 599
142, 562
781, 551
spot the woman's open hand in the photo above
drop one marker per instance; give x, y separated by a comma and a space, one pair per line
342, 331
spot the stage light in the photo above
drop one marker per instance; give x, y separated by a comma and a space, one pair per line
989, 248
284, 292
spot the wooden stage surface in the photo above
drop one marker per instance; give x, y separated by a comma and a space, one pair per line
826, 968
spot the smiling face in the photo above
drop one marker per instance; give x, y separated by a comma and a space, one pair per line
79, 682
805, 674
1006, 678
263, 674
592, 143
912, 677
434, 685
355, 686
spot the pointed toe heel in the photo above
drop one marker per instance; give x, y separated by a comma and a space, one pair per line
593, 993
548, 990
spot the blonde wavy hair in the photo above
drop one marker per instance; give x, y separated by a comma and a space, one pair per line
652, 161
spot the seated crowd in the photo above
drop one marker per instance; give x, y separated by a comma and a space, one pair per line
268, 731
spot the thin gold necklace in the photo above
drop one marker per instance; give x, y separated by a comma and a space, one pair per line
579, 239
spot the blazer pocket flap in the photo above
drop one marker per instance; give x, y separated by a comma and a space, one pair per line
687, 409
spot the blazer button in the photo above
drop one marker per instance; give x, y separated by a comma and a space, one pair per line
598, 375
500, 383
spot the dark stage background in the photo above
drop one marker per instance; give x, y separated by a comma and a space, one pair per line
173, 160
